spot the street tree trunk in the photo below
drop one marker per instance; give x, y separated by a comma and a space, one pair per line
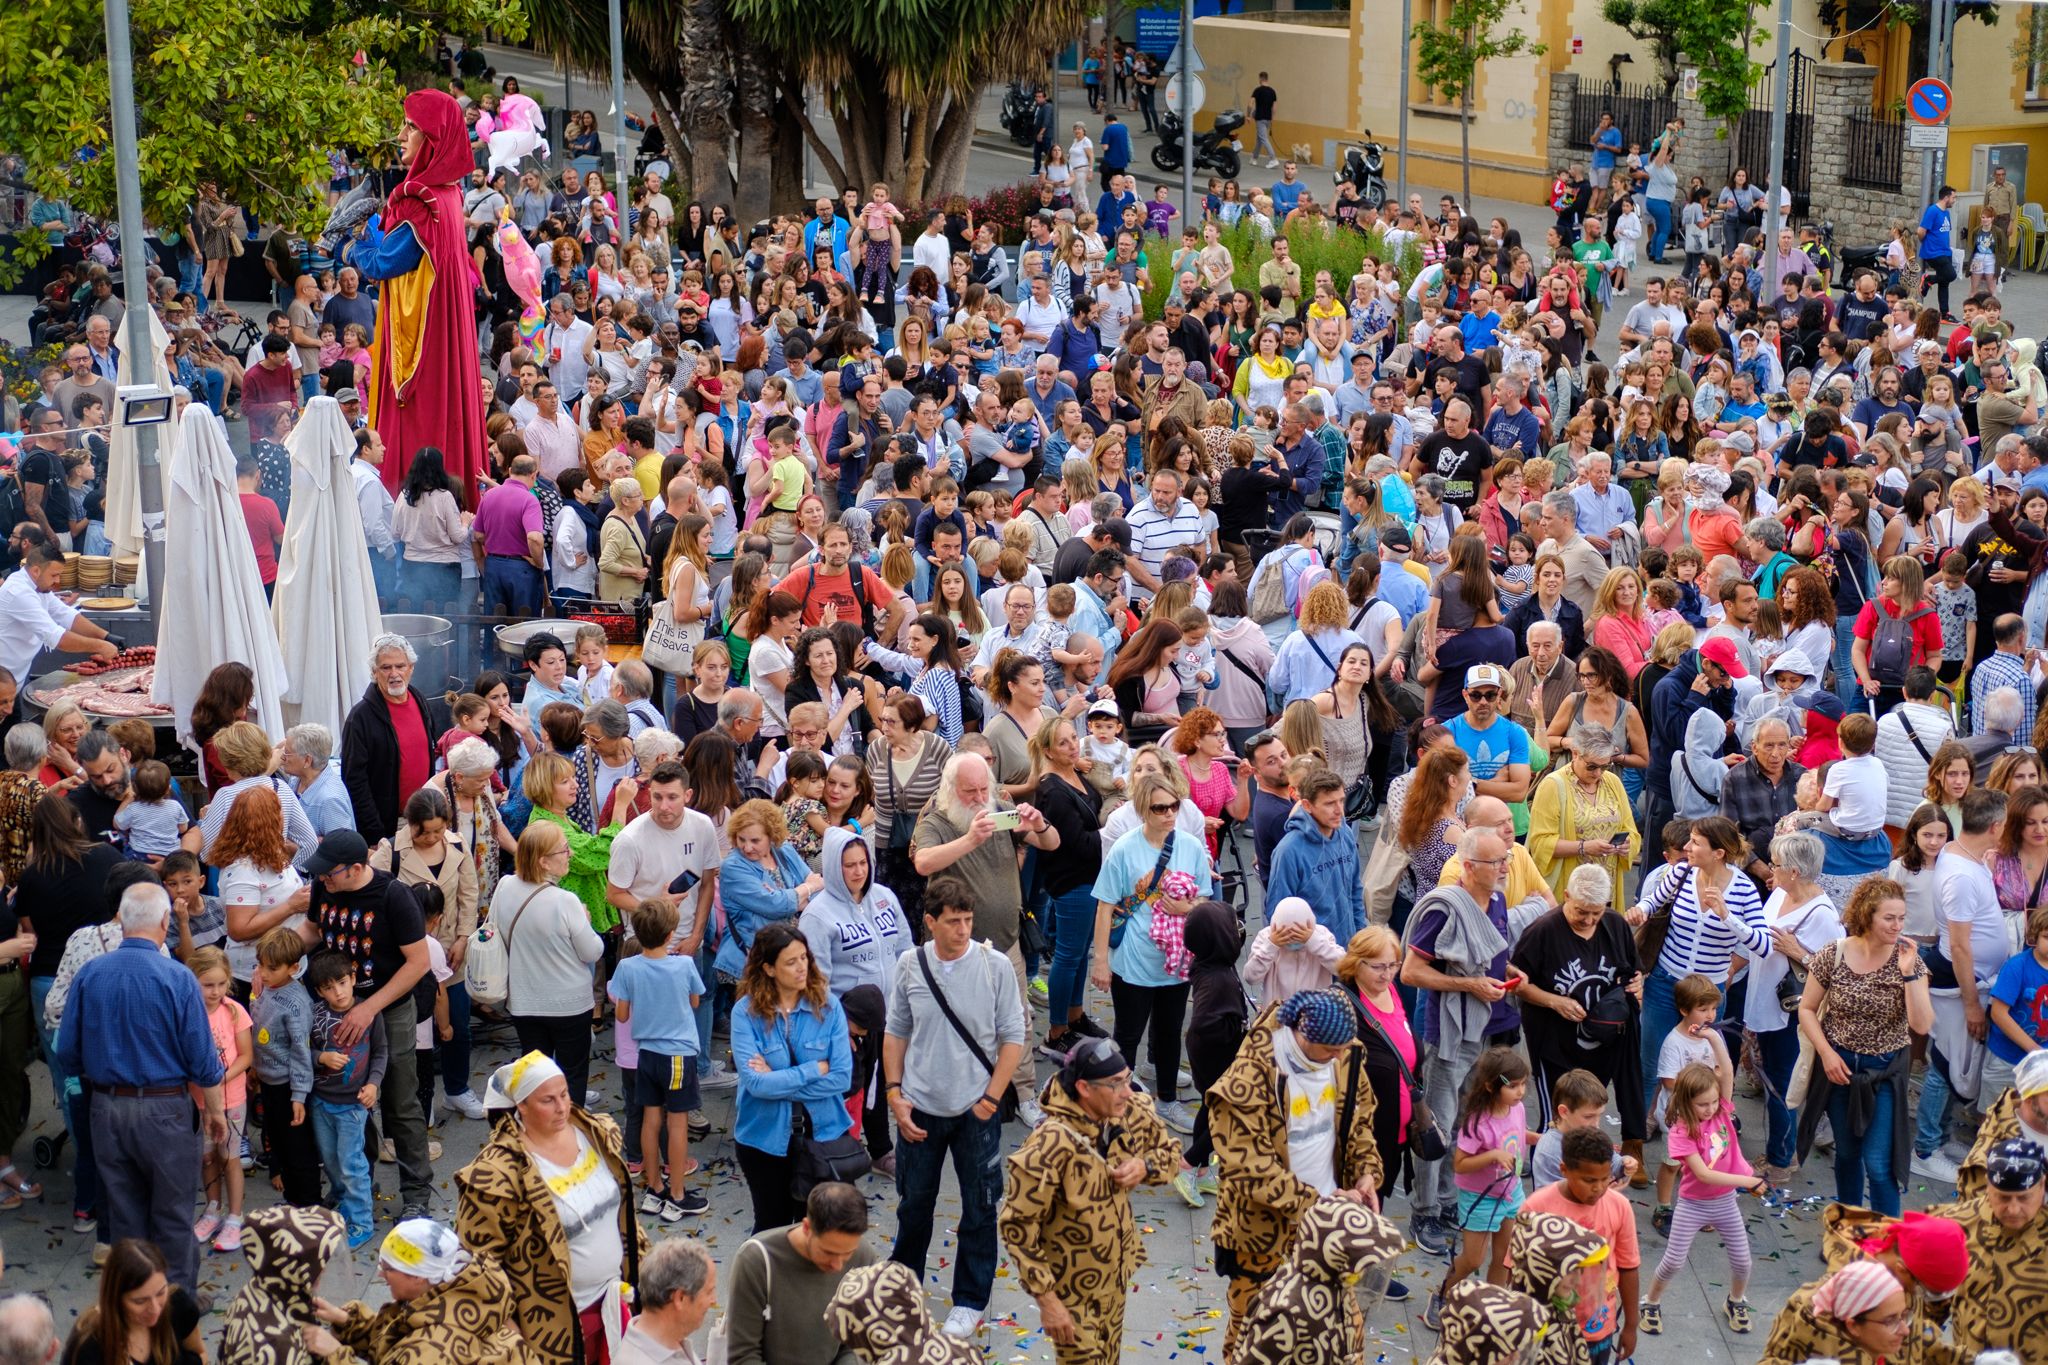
757, 140
792, 107
950, 146
1465, 142
705, 102
786, 170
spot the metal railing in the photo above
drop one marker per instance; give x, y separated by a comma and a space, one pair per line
1876, 154
1640, 111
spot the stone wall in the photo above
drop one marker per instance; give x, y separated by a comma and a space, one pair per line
1861, 213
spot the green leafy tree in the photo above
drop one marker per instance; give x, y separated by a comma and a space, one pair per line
250, 96
1715, 35
1448, 57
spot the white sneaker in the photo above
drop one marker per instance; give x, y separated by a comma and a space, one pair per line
963, 1323
593, 1100
716, 1076
1935, 1166
1030, 1115
467, 1105
1177, 1116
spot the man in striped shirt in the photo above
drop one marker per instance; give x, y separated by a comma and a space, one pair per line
2005, 666
1163, 522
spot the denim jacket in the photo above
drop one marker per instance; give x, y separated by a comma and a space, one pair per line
792, 1046
752, 900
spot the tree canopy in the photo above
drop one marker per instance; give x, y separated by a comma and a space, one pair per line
1714, 35
250, 95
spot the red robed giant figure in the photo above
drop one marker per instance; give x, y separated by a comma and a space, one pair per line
426, 389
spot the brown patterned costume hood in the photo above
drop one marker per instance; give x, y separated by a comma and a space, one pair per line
1485, 1324
878, 1313
467, 1321
287, 1248
2004, 1302
1306, 1313
1545, 1252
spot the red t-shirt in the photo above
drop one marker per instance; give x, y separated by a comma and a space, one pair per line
415, 753
266, 533
1926, 630
837, 588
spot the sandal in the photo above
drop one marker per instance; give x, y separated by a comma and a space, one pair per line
1738, 1314
1651, 1320
12, 1179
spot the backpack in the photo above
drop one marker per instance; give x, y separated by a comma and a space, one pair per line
1269, 593
860, 597
1307, 579
1891, 649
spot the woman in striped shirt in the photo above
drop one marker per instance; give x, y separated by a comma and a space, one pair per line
1715, 915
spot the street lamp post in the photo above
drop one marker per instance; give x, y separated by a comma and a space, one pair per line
142, 359
622, 167
1187, 111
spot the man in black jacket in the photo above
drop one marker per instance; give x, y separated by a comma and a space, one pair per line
387, 742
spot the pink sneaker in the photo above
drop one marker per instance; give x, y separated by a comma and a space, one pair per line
204, 1229
230, 1238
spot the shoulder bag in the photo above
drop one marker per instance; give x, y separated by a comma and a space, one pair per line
1652, 932
924, 964
1425, 1139
487, 970
1802, 1070
815, 1160
671, 645
1120, 917
717, 1348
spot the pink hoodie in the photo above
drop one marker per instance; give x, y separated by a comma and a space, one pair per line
1276, 971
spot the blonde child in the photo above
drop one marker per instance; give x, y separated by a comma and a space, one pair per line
1694, 1042
1195, 661
221, 1167
1486, 1164
1628, 234
802, 797
593, 676
471, 719
1054, 629
1703, 1138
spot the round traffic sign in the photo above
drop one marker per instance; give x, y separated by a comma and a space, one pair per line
1196, 87
1929, 101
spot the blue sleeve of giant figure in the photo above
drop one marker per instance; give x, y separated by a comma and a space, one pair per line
381, 255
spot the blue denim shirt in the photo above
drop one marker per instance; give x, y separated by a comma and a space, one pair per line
751, 900
792, 1046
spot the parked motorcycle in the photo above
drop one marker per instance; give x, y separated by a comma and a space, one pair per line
1364, 167
1217, 150
1020, 114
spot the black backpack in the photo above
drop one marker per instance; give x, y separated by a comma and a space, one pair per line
1891, 647
860, 597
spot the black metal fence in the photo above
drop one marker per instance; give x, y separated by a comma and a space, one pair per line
1876, 152
1753, 130
1640, 111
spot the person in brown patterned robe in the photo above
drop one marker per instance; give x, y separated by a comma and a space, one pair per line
287, 1248
878, 1313
1261, 1195
1921, 1251
1307, 1314
2011, 1117
1485, 1324
450, 1308
1547, 1254
1066, 1216
2003, 1305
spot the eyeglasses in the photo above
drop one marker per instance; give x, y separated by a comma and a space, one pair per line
1891, 1323
1164, 809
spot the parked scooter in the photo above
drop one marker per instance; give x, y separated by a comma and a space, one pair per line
1217, 150
1364, 167
1020, 114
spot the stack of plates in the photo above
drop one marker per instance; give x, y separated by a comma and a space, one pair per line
70, 575
127, 568
95, 571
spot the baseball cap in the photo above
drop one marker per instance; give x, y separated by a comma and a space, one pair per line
347, 396
1119, 530
1396, 538
1486, 675
1722, 651
1105, 707
1740, 440
338, 848
2001, 478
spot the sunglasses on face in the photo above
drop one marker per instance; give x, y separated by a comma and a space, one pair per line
1164, 809
1484, 694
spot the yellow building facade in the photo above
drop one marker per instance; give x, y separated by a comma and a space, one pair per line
1337, 83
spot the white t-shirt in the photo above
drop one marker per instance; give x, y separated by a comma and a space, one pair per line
767, 656
437, 963
244, 883
575, 566
646, 858
606, 777
1964, 894
587, 1200
1679, 1051
1859, 786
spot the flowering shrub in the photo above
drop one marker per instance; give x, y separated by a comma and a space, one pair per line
1006, 209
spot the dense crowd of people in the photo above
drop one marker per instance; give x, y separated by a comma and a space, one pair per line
1413, 735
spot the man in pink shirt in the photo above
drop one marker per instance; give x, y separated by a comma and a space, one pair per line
510, 540
552, 437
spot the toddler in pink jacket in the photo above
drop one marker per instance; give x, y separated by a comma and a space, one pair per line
1292, 953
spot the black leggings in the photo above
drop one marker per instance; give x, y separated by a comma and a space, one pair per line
293, 1152
1163, 1007
768, 1180
1210, 1052
566, 1038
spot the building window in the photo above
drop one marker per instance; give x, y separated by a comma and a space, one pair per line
2036, 53
1421, 94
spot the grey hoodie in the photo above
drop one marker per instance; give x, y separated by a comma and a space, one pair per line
853, 943
1697, 770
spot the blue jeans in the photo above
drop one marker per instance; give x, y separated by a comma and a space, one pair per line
1347, 548
1072, 931
1779, 1052
384, 574
338, 1129
1846, 686
975, 1147
1868, 1156
453, 1063
1660, 229
216, 390
512, 587
1930, 1120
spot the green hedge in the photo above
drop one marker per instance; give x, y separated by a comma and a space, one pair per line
1339, 251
